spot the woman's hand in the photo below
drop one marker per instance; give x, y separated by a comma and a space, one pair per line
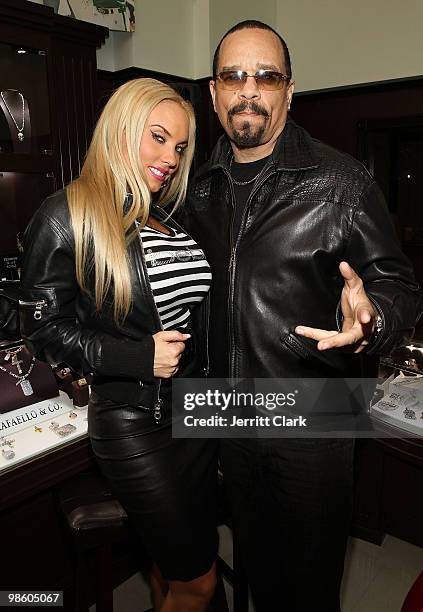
168, 348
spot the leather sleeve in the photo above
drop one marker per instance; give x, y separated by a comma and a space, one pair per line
50, 324
374, 252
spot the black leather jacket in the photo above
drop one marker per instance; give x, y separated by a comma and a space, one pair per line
311, 208
59, 323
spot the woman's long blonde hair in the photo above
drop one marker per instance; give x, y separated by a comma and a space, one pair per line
102, 224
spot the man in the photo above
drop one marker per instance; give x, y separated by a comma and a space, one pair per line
279, 215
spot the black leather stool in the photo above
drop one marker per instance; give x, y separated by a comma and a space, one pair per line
96, 520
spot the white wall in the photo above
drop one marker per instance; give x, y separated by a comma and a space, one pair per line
332, 42
163, 40
226, 13
339, 42
202, 39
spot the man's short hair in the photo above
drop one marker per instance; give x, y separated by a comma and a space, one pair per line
259, 25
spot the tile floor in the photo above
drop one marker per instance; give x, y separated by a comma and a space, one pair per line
376, 578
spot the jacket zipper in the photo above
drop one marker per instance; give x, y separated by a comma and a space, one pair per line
230, 271
157, 408
39, 305
206, 369
232, 263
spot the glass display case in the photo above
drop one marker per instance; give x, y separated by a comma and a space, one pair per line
21, 193
27, 163
24, 102
399, 402
41, 408
48, 93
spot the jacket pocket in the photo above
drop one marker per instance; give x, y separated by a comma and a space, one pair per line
36, 304
324, 362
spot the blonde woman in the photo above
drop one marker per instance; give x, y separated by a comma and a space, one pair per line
113, 282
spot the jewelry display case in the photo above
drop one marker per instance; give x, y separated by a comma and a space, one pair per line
54, 423
43, 443
24, 100
400, 400
41, 408
389, 468
21, 194
47, 109
48, 100
27, 165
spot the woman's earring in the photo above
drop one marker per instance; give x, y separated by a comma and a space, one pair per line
166, 183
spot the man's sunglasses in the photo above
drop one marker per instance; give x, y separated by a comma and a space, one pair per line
267, 80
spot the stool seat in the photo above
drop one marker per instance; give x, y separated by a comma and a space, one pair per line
93, 516
98, 516
95, 520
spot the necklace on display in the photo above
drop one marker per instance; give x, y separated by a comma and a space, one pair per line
19, 129
14, 355
242, 183
22, 379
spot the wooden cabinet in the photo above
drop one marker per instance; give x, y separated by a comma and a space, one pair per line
48, 85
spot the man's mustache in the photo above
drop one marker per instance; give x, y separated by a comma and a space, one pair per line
251, 107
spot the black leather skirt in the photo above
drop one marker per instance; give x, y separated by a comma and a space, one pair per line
167, 486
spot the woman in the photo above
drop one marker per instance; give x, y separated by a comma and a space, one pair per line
109, 282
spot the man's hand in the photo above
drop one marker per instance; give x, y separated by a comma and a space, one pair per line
168, 348
359, 317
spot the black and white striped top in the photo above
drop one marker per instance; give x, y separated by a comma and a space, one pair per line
179, 274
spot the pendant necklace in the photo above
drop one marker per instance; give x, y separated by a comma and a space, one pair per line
19, 129
22, 379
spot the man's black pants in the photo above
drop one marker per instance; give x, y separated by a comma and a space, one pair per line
291, 503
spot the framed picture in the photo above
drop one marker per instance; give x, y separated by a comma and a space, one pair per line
113, 14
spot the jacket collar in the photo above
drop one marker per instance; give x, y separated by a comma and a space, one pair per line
294, 150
